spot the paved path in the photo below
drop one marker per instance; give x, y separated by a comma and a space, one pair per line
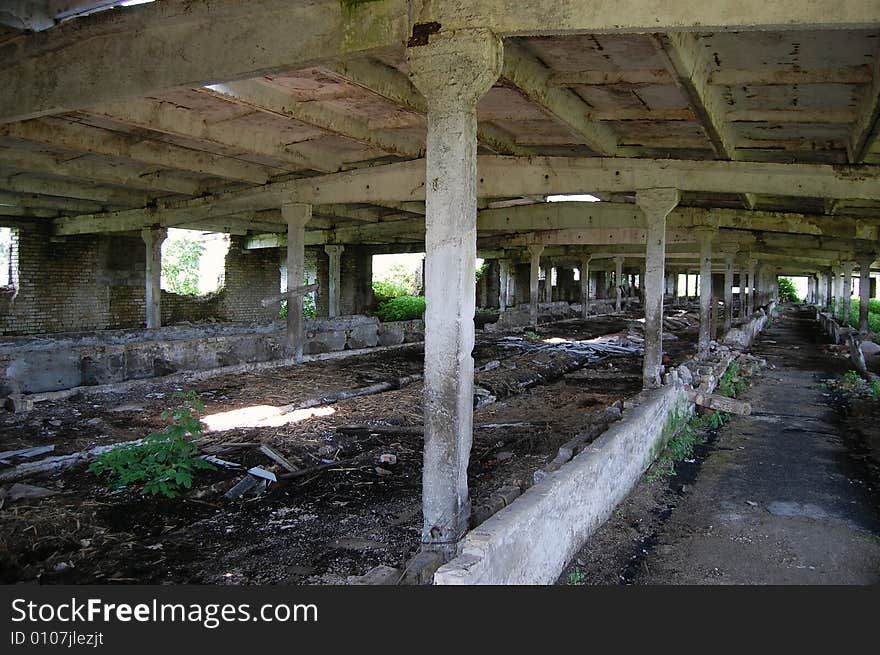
779, 500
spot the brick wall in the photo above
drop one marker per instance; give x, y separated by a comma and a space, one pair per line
96, 282
74, 283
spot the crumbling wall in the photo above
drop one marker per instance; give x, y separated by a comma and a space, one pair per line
250, 276
74, 283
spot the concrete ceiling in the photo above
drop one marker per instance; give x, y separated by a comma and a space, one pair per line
805, 94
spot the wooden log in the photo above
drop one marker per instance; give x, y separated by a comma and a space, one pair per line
345, 394
284, 295
720, 403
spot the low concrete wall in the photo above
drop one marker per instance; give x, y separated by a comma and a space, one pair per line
743, 335
41, 364
520, 316
532, 540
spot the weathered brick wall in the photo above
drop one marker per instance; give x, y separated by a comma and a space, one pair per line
251, 275
75, 283
96, 282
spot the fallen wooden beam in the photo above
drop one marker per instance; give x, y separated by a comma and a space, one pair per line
720, 403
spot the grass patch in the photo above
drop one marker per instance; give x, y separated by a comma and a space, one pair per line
402, 308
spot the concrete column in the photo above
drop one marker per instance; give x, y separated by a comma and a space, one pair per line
503, 278
753, 286
453, 71
333, 285
618, 283
674, 277
846, 292
153, 238
534, 273
585, 286
729, 257
705, 236
656, 205
296, 216
548, 281
835, 289
865, 262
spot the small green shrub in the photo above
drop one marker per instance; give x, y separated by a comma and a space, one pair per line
398, 281
309, 309
577, 576
787, 291
164, 462
730, 384
402, 308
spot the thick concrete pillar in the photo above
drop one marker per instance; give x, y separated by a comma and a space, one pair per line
618, 283
334, 253
503, 281
296, 216
656, 205
846, 292
153, 239
865, 262
835, 290
453, 71
585, 286
729, 258
534, 274
705, 236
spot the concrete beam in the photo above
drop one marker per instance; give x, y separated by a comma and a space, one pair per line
69, 194
93, 171
9, 199
83, 138
391, 84
170, 118
174, 43
533, 79
867, 129
262, 96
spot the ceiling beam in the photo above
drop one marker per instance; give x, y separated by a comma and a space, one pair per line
170, 118
867, 127
83, 138
10, 197
531, 77
501, 177
391, 84
174, 43
263, 96
66, 189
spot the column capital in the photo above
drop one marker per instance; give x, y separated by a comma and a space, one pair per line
535, 250
454, 69
153, 234
866, 259
296, 213
334, 249
657, 203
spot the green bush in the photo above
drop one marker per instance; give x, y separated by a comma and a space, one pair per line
787, 292
873, 314
164, 462
180, 266
398, 281
402, 308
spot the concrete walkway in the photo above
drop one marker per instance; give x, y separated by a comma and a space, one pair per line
779, 500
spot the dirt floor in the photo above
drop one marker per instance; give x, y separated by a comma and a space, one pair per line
318, 528
788, 495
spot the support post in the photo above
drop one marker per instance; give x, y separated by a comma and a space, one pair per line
705, 236
503, 277
836, 285
729, 258
296, 216
534, 274
865, 262
453, 70
618, 283
548, 281
153, 238
753, 286
334, 253
846, 292
585, 286
656, 205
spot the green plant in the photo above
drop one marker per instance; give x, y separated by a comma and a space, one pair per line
481, 271
397, 281
180, 265
577, 576
875, 388
402, 308
531, 336
162, 463
873, 314
787, 291
730, 384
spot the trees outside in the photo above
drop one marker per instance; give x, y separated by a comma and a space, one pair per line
180, 266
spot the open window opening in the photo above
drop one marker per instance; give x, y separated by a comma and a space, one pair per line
194, 262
